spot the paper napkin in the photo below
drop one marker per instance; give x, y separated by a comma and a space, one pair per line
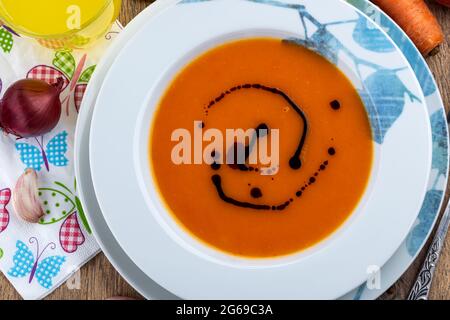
37, 258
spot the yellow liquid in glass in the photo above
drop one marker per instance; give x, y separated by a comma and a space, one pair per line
70, 20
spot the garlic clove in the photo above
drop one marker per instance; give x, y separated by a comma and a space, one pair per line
26, 198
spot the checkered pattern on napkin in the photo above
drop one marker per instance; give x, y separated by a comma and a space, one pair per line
37, 258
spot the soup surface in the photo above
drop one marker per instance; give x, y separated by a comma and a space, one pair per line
325, 148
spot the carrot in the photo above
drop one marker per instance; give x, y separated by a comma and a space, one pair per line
416, 19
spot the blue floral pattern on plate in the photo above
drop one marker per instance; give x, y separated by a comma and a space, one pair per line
438, 179
383, 92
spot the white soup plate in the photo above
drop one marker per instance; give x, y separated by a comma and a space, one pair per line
136, 214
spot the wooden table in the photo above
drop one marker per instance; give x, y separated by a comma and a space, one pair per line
99, 280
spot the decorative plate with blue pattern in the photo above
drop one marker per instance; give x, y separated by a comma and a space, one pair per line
431, 206
394, 102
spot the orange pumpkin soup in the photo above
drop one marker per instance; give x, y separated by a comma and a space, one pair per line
325, 148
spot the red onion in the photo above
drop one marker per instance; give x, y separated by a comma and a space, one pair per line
30, 108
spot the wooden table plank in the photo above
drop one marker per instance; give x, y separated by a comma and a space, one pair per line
99, 280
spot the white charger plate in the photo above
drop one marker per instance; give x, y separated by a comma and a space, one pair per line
112, 249
120, 172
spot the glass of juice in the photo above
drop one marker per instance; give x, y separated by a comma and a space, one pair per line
60, 24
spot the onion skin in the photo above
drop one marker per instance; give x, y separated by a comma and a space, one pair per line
30, 108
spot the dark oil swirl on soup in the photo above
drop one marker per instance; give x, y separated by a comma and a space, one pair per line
326, 148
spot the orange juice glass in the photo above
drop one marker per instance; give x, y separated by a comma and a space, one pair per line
60, 24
